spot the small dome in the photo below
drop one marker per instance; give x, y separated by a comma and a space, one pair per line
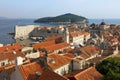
92, 25
102, 23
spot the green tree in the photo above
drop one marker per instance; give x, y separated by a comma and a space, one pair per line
110, 68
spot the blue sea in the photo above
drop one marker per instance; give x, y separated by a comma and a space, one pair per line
7, 25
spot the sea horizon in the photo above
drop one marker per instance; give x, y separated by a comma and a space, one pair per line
89, 19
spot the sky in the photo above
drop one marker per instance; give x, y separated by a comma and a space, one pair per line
102, 9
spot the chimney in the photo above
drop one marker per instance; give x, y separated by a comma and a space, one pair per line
19, 61
14, 52
37, 74
51, 60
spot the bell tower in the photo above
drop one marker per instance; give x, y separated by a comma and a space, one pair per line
102, 38
66, 35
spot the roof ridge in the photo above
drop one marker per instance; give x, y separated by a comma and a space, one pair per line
84, 52
23, 72
29, 64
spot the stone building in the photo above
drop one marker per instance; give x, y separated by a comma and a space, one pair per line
24, 31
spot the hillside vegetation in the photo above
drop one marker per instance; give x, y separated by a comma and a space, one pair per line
110, 68
66, 18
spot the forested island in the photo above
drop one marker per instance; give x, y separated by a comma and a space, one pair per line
65, 18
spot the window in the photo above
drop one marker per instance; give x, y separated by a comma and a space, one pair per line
64, 71
3, 64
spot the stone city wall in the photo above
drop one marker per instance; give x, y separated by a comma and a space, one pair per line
24, 31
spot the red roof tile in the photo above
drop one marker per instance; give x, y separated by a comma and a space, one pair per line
56, 37
75, 33
90, 50
84, 55
69, 55
50, 75
59, 60
118, 55
56, 46
28, 71
69, 50
86, 33
10, 48
43, 44
114, 40
1, 68
89, 74
73, 73
11, 55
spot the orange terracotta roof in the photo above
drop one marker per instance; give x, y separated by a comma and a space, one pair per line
107, 36
118, 55
1, 68
69, 55
89, 74
43, 44
9, 66
90, 50
56, 46
75, 33
10, 48
107, 33
86, 33
59, 60
11, 55
69, 50
118, 32
73, 73
84, 55
50, 75
49, 38
28, 71
115, 40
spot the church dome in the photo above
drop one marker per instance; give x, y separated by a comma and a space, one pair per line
103, 23
92, 25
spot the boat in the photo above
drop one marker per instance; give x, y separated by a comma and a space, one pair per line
11, 33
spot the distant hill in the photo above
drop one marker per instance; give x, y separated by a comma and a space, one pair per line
66, 18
